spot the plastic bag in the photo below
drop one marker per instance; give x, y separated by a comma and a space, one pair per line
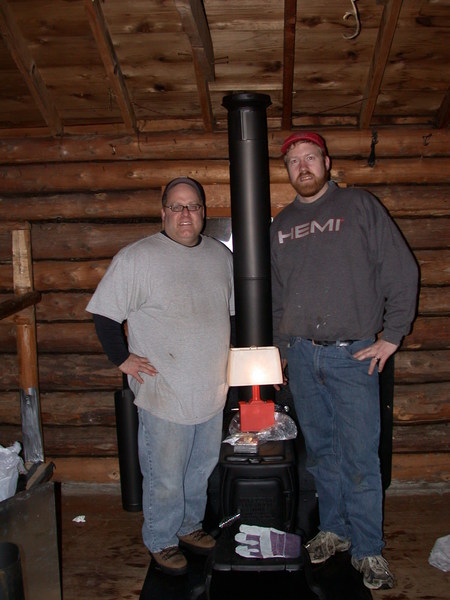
10, 466
284, 428
440, 554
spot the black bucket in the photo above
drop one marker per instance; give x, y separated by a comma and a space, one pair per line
11, 583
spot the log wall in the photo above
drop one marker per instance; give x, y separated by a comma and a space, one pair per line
87, 197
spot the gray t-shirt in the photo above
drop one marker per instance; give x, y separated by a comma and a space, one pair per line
177, 302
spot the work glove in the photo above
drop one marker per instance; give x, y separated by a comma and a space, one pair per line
266, 542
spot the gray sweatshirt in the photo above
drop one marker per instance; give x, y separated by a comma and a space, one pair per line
341, 270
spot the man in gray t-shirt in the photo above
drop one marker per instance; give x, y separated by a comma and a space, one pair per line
175, 291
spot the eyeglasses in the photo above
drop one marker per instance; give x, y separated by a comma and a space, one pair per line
179, 207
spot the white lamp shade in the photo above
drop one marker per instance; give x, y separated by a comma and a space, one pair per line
257, 365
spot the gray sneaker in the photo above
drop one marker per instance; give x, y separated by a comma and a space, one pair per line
324, 545
376, 572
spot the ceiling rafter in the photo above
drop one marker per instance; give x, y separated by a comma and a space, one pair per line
20, 53
110, 61
290, 20
196, 27
379, 61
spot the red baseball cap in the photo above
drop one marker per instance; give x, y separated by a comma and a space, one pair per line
304, 136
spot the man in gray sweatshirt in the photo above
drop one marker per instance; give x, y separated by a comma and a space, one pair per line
344, 295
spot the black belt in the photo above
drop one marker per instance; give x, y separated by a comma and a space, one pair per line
331, 342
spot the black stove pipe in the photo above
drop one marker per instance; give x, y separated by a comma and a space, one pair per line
250, 216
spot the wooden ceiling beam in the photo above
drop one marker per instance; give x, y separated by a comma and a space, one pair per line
195, 25
290, 20
443, 114
380, 57
110, 61
20, 53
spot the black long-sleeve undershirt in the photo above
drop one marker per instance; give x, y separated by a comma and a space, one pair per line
112, 338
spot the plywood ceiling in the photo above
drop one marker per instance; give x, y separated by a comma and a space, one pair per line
111, 66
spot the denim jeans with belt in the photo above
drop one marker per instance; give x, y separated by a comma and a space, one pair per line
338, 408
176, 462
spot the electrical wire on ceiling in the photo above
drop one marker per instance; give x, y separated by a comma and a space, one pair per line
355, 15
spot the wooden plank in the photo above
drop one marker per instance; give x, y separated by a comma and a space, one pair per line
379, 60
110, 61
27, 349
19, 50
290, 19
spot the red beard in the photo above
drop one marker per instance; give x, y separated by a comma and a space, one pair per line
309, 186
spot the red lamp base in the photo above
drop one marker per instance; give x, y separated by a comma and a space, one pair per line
256, 414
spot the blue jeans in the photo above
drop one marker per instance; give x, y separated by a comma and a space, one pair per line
338, 408
176, 462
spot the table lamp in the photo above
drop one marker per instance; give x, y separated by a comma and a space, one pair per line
255, 366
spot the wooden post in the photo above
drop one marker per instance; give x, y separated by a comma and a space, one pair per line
27, 349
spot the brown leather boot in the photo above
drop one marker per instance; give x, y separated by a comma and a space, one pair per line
171, 561
198, 542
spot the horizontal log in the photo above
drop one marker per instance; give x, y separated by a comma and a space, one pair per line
434, 266
139, 175
422, 233
69, 441
432, 301
421, 403
85, 275
85, 469
429, 467
340, 142
400, 200
429, 333
17, 303
102, 441
60, 372
86, 240
125, 204
422, 366
93, 407
414, 403
71, 306
413, 468
423, 438
104, 240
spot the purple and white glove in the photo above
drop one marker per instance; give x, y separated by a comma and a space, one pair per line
266, 542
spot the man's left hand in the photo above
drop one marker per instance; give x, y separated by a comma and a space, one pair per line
379, 352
